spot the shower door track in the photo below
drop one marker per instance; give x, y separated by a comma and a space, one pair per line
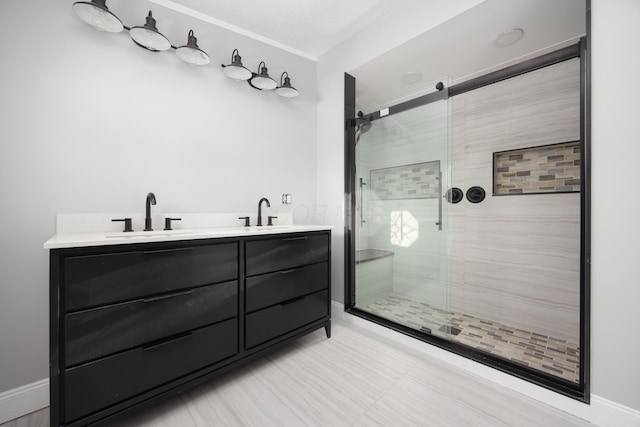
444, 93
580, 50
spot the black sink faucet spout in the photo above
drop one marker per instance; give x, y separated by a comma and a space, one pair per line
151, 200
264, 199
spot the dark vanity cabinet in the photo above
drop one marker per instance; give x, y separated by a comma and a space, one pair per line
131, 324
286, 286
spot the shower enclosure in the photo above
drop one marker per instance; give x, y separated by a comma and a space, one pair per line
464, 219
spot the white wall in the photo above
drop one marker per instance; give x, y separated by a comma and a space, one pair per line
615, 317
615, 282
90, 123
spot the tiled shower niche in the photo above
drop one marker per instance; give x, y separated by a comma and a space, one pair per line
535, 170
415, 181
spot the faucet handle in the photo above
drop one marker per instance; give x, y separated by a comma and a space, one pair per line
270, 219
247, 219
127, 224
167, 223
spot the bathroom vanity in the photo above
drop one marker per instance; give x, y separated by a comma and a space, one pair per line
134, 321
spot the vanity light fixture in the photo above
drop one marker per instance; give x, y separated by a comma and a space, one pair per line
148, 36
285, 89
97, 14
262, 81
191, 53
236, 70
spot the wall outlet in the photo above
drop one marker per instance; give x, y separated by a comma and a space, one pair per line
286, 199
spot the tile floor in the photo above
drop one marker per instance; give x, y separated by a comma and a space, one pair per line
547, 354
352, 379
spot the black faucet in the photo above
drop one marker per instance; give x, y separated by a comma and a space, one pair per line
264, 199
151, 200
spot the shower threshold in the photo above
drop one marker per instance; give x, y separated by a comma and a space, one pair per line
540, 352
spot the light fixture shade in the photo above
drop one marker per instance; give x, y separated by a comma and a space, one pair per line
149, 37
191, 53
262, 80
96, 14
236, 70
285, 89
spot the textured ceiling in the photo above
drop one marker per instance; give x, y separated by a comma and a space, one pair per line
308, 26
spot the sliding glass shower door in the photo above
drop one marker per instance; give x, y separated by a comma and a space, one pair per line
402, 235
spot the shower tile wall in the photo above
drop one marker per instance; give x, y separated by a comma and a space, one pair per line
520, 261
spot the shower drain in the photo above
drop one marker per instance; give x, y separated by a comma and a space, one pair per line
451, 330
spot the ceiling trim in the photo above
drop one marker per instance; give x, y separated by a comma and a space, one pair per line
227, 26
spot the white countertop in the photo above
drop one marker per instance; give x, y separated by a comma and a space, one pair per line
79, 230
74, 240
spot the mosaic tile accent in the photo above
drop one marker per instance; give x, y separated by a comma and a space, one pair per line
417, 181
546, 169
540, 352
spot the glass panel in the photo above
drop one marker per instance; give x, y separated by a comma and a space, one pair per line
402, 232
518, 296
499, 271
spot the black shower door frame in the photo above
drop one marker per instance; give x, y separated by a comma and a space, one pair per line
580, 391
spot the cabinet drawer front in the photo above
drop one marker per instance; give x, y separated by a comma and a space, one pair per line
101, 279
273, 288
271, 322
264, 256
101, 331
107, 381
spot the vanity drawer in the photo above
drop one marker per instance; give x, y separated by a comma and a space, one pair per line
107, 381
102, 331
272, 288
101, 279
265, 256
271, 322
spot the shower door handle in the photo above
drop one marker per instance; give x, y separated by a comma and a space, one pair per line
362, 184
439, 223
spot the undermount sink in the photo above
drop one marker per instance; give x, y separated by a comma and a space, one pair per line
147, 233
255, 228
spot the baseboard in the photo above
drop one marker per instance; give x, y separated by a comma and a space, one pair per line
24, 400
601, 412
337, 311
607, 413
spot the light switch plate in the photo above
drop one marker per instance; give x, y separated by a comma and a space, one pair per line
286, 199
